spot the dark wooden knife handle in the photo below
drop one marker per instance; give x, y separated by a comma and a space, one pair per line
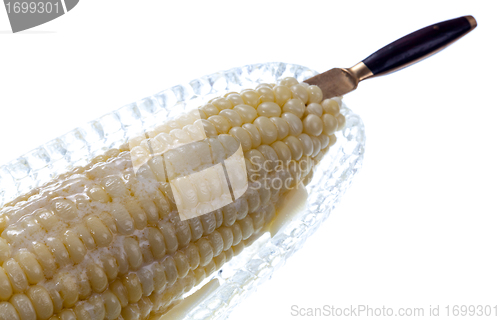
418, 45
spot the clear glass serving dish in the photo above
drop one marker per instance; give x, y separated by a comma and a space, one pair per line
243, 274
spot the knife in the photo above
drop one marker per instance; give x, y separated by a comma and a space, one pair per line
395, 56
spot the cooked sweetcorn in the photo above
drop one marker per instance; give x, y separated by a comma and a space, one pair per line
107, 242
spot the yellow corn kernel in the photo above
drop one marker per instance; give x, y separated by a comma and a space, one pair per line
8, 312
5, 286
23, 306
42, 303
16, 275
112, 305
98, 278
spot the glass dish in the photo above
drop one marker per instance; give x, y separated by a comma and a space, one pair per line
242, 275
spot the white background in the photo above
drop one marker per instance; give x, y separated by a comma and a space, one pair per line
420, 224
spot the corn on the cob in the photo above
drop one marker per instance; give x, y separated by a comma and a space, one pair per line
107, 241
